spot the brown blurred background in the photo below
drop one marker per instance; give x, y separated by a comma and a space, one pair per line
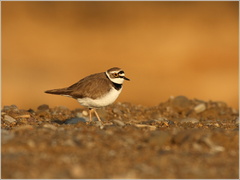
166, 49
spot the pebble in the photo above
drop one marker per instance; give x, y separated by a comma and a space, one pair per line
180, 103
43, 107
118, 122
6, 108
191, 120
151, 128
9, 119
200, 108
99, 124
117, 111
12, 108
79, 115
85, 113
31, 111
24, 116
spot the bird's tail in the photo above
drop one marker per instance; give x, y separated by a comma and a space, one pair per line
62, 91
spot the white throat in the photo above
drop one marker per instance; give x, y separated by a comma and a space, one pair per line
115, 80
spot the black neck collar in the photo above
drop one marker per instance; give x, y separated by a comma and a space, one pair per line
115, 85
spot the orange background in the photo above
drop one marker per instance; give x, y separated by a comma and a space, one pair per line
166, 49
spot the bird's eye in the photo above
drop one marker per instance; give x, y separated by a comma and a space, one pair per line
115, 74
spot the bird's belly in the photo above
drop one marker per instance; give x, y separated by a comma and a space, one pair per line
102, 101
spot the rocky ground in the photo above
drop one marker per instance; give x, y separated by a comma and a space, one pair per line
179, 138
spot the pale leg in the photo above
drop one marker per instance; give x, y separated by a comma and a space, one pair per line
97, 115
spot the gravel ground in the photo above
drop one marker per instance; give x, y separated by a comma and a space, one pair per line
179, 138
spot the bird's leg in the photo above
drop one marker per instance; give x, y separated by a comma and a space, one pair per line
90, 114
97, 115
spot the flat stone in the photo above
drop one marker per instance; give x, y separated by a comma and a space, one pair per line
151, 128
118, 122
191, 120
50, 126
9, 119
24, 116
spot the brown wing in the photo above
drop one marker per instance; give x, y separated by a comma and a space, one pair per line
92, 86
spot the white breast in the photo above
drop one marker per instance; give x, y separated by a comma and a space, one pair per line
106, 100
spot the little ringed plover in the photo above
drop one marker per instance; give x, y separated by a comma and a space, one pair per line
96, 90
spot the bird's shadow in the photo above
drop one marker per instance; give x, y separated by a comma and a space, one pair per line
74, 120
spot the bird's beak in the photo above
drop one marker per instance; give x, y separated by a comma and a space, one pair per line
126, 78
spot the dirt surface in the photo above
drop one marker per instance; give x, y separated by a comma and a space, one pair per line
179, 138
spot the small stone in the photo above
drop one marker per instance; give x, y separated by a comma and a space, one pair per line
191, 120
118, 122
31, 111
180, 103
23, 116
14, 108
85, 113
9, 119
216, 125
79, 115
151, 128
43, 107
200, 108
50, 126
117, 111
99, 124
6, 108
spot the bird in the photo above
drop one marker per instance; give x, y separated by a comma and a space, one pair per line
96, 90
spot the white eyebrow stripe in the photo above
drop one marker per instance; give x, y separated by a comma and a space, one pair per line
114, 71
